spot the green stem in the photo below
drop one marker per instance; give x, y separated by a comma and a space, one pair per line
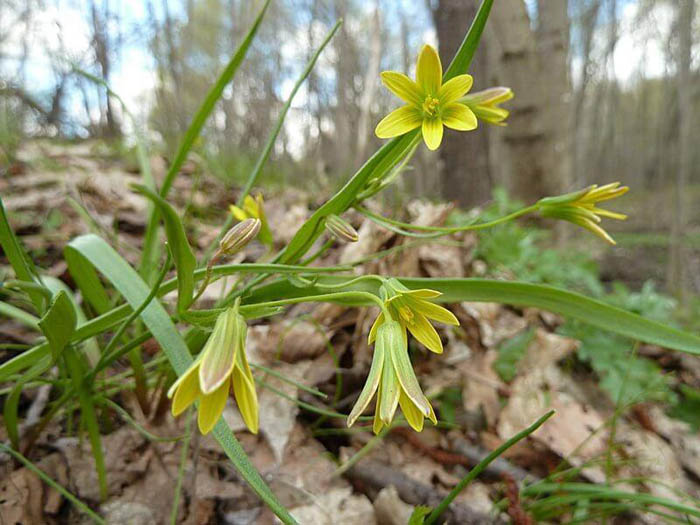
446, 229
330, 297
479, 468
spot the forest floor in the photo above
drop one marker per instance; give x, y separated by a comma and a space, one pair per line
500, 371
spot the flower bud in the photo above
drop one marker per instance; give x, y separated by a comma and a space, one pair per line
485, 104
238, 236
341, 229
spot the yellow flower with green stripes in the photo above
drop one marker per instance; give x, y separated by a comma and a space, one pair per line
392, 378
430, 104
413, 310
222, 365
580, 208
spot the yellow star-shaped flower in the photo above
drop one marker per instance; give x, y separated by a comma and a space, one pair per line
430, 104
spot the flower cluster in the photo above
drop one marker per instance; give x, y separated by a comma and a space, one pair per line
221, 366
391, 375
580, 208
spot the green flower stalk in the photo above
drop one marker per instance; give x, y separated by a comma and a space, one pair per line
430, 104
392, 378
414, 311
579, 207
485, 104
222, 365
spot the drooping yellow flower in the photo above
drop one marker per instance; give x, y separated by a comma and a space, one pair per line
392, 378
485, 104
414, 311
430, 104
580, 208
222, 365
253, 209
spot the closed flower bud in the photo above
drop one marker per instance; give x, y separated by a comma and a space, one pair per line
485, 104
239, 236
341, 229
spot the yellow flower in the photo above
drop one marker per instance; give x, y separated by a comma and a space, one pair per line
392, 378
413, 311
221, 365
580, 207
485, 104
430, 104
253, 209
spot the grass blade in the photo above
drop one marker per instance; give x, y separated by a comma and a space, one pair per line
150, 253
95, 251
479, 468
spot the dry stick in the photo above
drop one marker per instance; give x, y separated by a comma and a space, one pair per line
377, 476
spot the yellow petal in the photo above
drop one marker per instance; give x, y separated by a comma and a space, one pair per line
412, 414
455, 88
398, 122
403, 87
371, 385
186, 390
210, 408
434, 311
377, 424
425, 333
460, 117
432, 133
422, 293
238, 213
246, 398
429, 70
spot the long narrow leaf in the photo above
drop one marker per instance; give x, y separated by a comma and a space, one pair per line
150, 249
570, 304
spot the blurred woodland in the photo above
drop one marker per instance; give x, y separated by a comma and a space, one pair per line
606, 90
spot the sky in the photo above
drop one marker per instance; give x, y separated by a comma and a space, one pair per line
62, 28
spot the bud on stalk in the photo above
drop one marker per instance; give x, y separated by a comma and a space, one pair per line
341, 229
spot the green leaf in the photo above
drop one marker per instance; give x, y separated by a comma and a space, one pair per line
569, 304
59, 323
150, 249
104, 258
184, 259
20, 262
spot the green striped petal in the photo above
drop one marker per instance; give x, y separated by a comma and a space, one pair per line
460, 117
219, 352
389, 399
455, 88
373, 331
403, 87
408, 381
244, 389
398, 122
371, 385
432, 132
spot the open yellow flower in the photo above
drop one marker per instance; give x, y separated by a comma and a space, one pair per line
430, 104
222, 365
392, 378
485, 104
414, 311
253, 209
580, 208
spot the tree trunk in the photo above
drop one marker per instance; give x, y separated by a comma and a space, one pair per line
465, 176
